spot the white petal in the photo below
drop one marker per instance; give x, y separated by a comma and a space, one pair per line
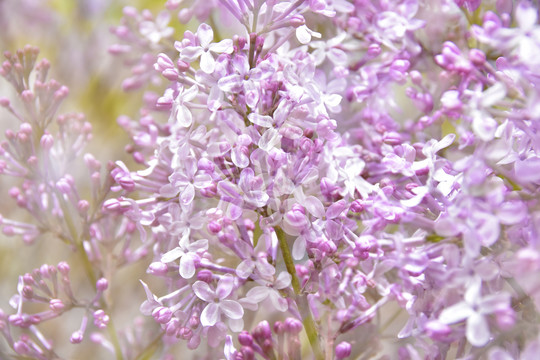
232, 309
526, 16
187, 266
283, 280
261, 120
205, 35
257, 294
203, 291
477, 330
172, 255
208, 63
455, 313
224, 46
210, 315
279, 302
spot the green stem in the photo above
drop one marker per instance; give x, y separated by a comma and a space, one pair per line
301, 299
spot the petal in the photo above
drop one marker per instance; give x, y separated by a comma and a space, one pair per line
231, 83
257, 294
225, 286
337, 56
477, 330
203, 291
526, 16
236, 325
245, 268
205, 35
283, 280
201, 244
456, 313
232, 309
172, 255
299, 248
224, 46
261, 120
187, 195
190, 93
191, 53
183, 116
208, 63
187, 266
239, 158
314, 206
210, 315
279, 302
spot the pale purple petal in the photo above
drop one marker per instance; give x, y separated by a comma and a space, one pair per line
183, 116
191, 53
337, 56
456, 313
257, 294
207, 62
172, 255
203, 291
265, 269
230, 83
205, 35
232, 309
526, 15
236, 325
239, 158
201, 244
283, 280
279, 302
512, 212
261, 120
187, 195
224, 46
245, 268
314, 206
187, 266
225, 286
299, 248
210, 315
477, 330
528, 170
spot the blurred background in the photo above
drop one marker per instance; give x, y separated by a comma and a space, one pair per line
74, 35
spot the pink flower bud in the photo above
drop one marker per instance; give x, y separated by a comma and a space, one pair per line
63, 267
157, 268
47, 141
293, 326
297, 21
182, 65
83, 206
343, 350
102, 284
56, 305
76, 337
477, 57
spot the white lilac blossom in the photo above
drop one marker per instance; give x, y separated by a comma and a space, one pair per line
334, 168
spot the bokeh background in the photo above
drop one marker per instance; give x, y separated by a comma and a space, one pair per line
74, 35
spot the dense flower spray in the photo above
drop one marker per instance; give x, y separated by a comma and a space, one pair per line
318, 179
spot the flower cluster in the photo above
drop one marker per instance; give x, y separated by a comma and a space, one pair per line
339, 172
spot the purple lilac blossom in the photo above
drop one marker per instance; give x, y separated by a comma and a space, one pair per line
337, 173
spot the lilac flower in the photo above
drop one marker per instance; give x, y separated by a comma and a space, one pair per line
269, 290
218, 304
205, 49
473, 309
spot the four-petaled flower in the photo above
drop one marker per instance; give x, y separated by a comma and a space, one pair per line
218, 303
